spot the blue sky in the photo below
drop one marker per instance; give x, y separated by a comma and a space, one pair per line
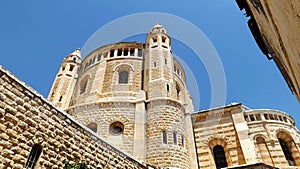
35, 36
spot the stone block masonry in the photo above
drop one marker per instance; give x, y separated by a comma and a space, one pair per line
28, 119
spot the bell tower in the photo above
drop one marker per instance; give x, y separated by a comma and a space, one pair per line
166, 139
63, 85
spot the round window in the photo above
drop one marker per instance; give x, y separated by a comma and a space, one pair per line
116, 128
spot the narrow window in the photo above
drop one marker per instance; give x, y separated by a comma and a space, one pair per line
74, 59
94, 59
125, 52
111, 53
287, 152
131, 52
63, 68
119, 52
154, 64
154, 38
60, 98
93, 127
257, 116
33, 156
71, 68
168, 87
246, 118
266, 116
166, 61
164, 136
252, 117
163, 39
182, 140
219, 156
174, 138
83, 85
99, 57
140, 53
123, 77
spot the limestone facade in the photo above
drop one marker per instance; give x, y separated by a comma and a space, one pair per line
27, 120
275, 27
246, 137
134, 96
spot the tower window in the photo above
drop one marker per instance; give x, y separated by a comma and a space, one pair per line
123, 77
174, 138
287, 152
154, 38
116, 128
168, 88
164, 137
60, 98
163, 39
93, 127
219, 156
166, 61
154, 64
33, 156
71, 68
182, 140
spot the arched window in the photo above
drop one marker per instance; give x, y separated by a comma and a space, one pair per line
287, 152
33, 156
83, 85
264, 151
219, 156
123, 77
93, 127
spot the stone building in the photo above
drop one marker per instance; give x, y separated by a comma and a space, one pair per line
133, 95
275, 25
126, 105
239, 137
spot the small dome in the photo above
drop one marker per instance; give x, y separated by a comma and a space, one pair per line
158, 28
76, 53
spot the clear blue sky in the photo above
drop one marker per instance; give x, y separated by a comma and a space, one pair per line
36, 35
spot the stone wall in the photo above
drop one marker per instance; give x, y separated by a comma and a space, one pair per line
275, 24
247, 136
215, 127
27, 118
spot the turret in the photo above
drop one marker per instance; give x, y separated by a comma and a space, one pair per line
63, 85
167, 144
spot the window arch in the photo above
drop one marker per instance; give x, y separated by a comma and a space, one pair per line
92, 126
83, 85
33, 156
219, 156
123, 77
289, 148
287, 153
263, 150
